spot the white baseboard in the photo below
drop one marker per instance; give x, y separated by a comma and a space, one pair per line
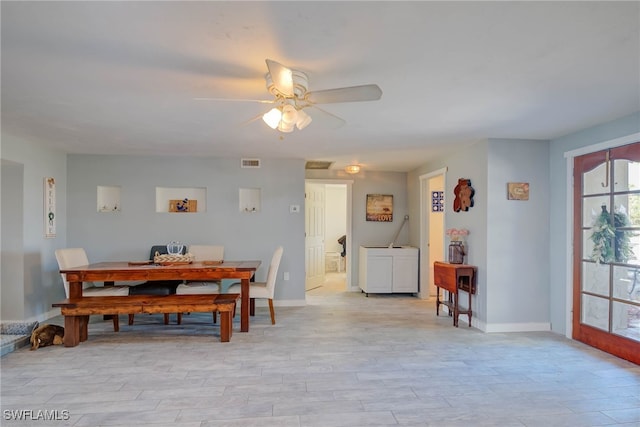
517, 327
44, 316
281, 303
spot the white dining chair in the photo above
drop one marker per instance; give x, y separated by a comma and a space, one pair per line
264, 290
77, 257
202, 253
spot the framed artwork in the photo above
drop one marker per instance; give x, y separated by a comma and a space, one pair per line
437, 201
518, 191
380, 207
49, 207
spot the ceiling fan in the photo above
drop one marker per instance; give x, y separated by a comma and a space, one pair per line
290, 89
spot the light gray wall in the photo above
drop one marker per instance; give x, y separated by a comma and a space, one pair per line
129, 234
39, 274
497, 228
517, 237
471, 163
530, 236
558, 242
12, 212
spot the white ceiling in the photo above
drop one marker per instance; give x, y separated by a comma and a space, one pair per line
122, 77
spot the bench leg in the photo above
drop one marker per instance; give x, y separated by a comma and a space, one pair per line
166, 318
179, 319
252, 306
225, 326
116, 323
72, 326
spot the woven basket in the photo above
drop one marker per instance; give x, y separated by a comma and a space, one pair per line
173, 259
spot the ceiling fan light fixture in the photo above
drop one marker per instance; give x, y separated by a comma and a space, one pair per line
286, 127
352, 169
303, 120
289, 115
272, 117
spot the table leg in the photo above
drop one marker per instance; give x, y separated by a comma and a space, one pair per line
84, 328
470, 303
75, 289
456, 312
244, 309
437, 300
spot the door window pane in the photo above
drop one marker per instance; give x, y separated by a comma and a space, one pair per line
626, 320
627, 175
593, 180
595, 278
595, 312
592, 209
626, 283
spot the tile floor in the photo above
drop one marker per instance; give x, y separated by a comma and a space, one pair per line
343, 360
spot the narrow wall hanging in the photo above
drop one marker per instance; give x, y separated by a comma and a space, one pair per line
437, 201
49, 207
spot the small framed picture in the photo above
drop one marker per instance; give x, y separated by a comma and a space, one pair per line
380, 207
518, 191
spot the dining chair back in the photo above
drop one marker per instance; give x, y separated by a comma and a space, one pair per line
211, 253
207, 252
203, 253
263, 290
77, 257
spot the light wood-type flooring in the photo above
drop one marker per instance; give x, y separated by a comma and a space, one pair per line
341, 360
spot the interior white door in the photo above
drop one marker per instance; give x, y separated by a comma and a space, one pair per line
314, 234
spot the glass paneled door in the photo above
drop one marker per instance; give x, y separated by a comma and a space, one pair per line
606, 266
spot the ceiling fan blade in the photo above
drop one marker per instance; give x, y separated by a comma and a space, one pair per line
251, 120
261, 101
345, 94
332, 120
281, 76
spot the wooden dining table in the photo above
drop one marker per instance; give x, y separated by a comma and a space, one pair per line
123, 271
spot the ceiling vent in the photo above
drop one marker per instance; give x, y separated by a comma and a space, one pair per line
250, 163
316, 164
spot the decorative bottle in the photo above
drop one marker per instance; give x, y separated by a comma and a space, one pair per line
456, 252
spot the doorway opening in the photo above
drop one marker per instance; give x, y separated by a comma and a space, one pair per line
432, 206
327, 236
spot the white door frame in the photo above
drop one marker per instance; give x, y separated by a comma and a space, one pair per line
424, 228
349, 184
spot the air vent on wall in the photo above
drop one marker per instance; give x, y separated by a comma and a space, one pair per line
250, 163
317, 164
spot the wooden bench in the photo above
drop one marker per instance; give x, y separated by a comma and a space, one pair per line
76, 311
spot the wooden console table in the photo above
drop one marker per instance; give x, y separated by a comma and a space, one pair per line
452, 278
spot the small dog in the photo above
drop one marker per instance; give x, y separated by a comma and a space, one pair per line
46, 335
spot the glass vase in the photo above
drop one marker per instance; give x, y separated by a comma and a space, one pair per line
456, 252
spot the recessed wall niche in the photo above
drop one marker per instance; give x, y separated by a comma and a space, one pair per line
181, 199
249, 200
108, 198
